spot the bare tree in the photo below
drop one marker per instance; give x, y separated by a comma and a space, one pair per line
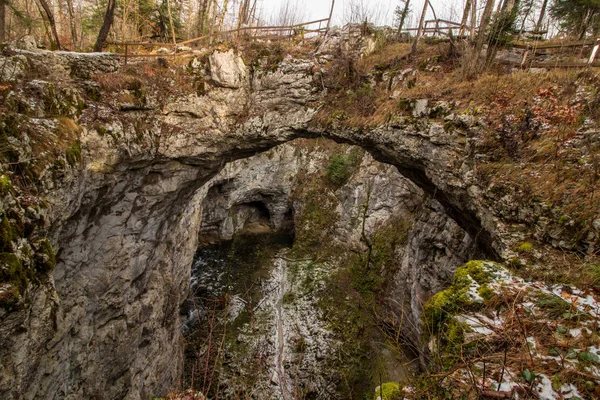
109, 17
171, 22
465, 17
540, 21
528, 8
414, 48
203, 17
51, 21
72, 23
330, 14
359, 11
473, 19
289, 13
485, 22
244, 13
221, 17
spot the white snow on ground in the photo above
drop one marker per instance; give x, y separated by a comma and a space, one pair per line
585, 302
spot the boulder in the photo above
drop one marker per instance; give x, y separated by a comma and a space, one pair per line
227, 69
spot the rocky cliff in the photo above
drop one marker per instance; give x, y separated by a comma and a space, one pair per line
124, 198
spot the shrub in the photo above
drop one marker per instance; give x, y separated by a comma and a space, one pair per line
341, 167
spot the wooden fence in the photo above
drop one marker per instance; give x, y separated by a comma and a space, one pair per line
445, 29
440, 28
529, 50
435, 27
304, 29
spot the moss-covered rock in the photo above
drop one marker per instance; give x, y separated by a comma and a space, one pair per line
73, 153
7, 235
44, 258
5, 184
467, 292
388, 391
13, 272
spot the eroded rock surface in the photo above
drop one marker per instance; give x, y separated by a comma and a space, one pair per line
106, 323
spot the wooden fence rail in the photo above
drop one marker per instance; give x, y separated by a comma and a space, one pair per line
442, 27
259, 32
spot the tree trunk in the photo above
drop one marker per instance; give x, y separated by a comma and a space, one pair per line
507, 5
2, 21
584, 25
203, 17
72, 23
465, 17
473, 19
214, 21
485, 22
414, 48
51, 21
244, 13
538, 26
253, 12
105, 29
222, 16
171, 23
403, 16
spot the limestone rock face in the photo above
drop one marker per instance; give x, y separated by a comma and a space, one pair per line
227, 69
62, 65
125, 222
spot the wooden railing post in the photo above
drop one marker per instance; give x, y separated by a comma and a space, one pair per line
524, 59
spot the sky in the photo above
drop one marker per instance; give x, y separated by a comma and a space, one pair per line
318, 9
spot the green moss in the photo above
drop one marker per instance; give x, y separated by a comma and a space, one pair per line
44, 259
389, 391
16, 222
438, 311
474, 270
440, 308
5, 184
553, 305
454, 337
315, 222
524, 247
73, 153
289, 297
12, 271
7, 235
486, 292
591, 275
514, 263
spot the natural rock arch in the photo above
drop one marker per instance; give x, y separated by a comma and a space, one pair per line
126, 227
125, 259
